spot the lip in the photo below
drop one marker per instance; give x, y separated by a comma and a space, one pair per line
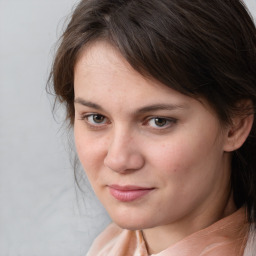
128, 193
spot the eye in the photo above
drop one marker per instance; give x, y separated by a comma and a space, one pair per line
160, 122
96, 119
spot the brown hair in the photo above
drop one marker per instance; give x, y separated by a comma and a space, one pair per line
201, 48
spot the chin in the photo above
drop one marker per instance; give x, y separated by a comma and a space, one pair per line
129, 227
131, 215
132, 222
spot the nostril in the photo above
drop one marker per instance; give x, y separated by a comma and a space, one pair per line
130, 161
115, 163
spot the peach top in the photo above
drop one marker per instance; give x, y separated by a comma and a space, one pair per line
225, 237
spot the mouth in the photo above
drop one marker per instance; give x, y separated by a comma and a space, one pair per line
128, 193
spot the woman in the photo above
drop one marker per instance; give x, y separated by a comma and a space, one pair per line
161, 95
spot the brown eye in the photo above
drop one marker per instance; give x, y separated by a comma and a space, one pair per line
160, 122
96, 119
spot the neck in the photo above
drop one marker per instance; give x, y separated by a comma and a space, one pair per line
160, 238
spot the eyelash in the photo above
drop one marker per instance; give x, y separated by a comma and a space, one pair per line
87, 117
168, 122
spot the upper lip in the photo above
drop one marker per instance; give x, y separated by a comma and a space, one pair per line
129, 187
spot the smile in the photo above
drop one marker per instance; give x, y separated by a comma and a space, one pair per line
128, 193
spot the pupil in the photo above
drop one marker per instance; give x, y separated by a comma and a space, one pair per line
160, 121
98, 118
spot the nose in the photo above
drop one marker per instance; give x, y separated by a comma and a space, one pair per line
123, 153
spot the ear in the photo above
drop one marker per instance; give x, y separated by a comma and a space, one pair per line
239, 130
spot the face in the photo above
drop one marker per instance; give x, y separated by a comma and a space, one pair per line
154, 156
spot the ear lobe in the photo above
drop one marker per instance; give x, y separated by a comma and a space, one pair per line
238, 132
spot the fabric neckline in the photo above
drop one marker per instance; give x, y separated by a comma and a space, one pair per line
230, 230
227, 236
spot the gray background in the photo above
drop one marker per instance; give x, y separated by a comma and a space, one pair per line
41, 212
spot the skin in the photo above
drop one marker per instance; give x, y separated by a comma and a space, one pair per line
183, 157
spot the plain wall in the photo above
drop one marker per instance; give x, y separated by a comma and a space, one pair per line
39, 214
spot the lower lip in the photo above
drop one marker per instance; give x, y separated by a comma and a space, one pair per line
128, 195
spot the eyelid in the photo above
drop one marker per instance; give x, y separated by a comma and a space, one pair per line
170, 121
85, 117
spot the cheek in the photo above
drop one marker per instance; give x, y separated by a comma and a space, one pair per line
184, 155
91, 152
172, 157
185, 170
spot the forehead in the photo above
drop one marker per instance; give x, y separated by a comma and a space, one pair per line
100, 63
100, 53
102, 73
101, 60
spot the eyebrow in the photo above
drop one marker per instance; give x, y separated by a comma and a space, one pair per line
87, 103
150, 108
160, 107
